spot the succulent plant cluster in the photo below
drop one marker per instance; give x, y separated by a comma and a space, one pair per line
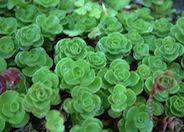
91, 66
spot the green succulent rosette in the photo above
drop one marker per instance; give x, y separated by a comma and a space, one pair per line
90, 125
8, 25
162, 8
50, 25
178, 30
54, 121
144, 13
153, 42
29, 36
144, 71
60, 14
169, 50
45, 76
142, 26
121, 98
177, 70
109, 25
32, 60
46, 4
119, 73
155, 63
141, 51
115, 45
8, 47
27, 14
97, 60
73, 48
161, 27
174, 106
83, 103
136, 119
135, 37
39, 99
126, 17
72, 73
166, 81
11, 110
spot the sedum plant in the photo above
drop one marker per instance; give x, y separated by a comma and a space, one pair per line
115, 45
161, 28
8, 47
136, 120
75, 48
11, 110
118, 73
177, 30
134, 36
54, 121
32, 60
39, 99
8, 25
109, 25
72, 73
142, 26
90, 125
121, 98
141, 51
50, 25
144, 71
174, 106
27, 14
164, 85
116, 64
50, 80
169, 50
83, 103
28, 36
96, 60
155, 63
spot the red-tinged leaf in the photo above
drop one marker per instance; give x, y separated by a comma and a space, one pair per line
2, 84
13, 77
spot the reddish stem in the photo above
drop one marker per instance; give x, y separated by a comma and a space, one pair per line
150, 102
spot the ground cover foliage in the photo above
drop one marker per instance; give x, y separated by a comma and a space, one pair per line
91, 66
